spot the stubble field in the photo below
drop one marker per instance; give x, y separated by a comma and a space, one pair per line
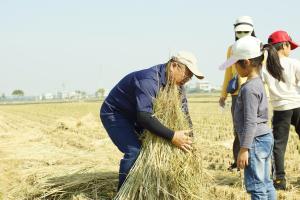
61, 151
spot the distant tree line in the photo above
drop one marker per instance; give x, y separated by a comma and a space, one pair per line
20, 93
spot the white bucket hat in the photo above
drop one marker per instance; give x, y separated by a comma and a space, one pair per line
245, 48
243, 23
189, 60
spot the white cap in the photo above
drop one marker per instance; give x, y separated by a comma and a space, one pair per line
189, 60
243, 23
245, 48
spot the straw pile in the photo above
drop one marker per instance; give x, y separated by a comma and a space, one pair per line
163, 171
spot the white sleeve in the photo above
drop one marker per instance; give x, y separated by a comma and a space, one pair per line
263, 73
297, 69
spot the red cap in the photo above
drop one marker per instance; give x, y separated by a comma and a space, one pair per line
281, 36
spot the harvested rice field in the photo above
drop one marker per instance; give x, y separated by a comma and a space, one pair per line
61, 151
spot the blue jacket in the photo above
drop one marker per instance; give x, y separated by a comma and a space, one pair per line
136, 93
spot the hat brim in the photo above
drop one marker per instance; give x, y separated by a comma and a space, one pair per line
243, 27
294, 45
199, 76
195, 71
232, 60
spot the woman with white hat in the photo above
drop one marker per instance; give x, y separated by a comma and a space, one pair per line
232, 81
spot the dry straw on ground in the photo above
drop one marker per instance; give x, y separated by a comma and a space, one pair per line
162, 171
61, 151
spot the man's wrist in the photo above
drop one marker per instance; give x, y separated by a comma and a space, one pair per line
243, 149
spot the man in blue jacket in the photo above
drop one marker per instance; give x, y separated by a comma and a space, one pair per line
128, 109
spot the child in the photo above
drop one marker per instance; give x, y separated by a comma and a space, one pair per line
251, 118
282, 80
243, 26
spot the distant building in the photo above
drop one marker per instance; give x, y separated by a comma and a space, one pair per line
49, 96
203, 86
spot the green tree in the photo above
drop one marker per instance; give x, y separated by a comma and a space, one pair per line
18, 93
100, 92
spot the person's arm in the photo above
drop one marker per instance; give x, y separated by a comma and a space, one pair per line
297, 70
227, 77
263, 75
184, 107
145, 92
151, 123
179, 138
251, 102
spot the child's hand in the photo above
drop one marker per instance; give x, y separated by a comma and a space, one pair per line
222, 102
242, 160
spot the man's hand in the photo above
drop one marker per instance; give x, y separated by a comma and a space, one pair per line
243, 157
182, 140
222, 102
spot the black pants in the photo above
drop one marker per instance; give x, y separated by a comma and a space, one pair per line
236, 142
281, 128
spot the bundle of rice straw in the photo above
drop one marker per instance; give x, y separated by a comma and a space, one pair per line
163, 171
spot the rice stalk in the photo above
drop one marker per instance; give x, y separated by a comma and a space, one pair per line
163, 171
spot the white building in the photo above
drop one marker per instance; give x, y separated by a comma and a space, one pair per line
49, 96
203, 85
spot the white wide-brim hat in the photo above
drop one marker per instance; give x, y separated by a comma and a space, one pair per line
245, 48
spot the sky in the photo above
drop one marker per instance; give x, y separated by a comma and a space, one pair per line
65, 45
